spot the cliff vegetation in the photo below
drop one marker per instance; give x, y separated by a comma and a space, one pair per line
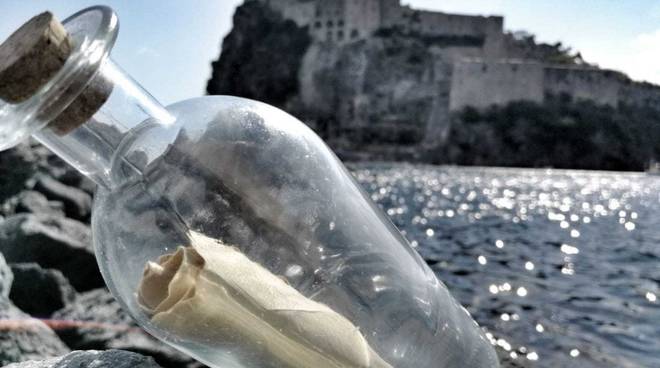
560, 133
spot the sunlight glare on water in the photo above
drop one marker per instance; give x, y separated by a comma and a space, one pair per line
562, 268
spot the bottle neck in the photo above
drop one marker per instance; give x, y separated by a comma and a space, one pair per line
92, 147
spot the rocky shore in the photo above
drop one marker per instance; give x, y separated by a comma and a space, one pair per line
54, 308
52, 296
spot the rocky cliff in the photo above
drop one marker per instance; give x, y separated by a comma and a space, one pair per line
260, 57
394, 95
380, 94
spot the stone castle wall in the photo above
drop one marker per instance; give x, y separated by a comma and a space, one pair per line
601, 86
298, 11
363, 17
481, 83
343, 21
641, 94
481, 69
438, 23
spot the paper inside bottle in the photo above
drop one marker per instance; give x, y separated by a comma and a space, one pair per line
212, 293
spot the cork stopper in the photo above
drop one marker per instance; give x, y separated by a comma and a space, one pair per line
32, 56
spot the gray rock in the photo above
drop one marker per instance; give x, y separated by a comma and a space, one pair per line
33, 202
40, 292
17, 166
95, 359
24, 338
77, 203
99, 308
87, 185
52, 242
6, 278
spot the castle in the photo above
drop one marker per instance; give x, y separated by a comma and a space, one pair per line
487, 66
345, 21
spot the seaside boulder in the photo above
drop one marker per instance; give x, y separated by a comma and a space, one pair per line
40, 292
24, 338
96, 359
77, 203
6, 277
29, 201
52, 242
17, 165
103, 324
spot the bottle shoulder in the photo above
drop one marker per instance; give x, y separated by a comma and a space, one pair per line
210, 129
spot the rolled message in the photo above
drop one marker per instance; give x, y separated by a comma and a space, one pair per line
212, 293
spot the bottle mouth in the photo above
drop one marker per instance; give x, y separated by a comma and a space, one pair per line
93, 32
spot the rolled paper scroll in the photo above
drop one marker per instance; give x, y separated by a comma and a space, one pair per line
211, 293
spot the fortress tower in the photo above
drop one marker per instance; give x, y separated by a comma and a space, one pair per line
344, 21
338, 21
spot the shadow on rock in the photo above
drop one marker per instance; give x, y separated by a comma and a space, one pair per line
52, 242
102, 324
24, 338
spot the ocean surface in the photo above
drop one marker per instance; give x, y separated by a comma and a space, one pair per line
562, 268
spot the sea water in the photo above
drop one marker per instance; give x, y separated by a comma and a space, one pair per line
561, 267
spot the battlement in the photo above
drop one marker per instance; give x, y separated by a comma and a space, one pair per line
343, 21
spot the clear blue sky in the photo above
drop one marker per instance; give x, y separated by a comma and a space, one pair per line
168, 45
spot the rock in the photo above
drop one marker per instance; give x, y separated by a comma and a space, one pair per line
52, 242
105, 325
77, 203
33, 202
40, 292
24, 338
95, 359
6, 277
17, 165
264, 52
88, 185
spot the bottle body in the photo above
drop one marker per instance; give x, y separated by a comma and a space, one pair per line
261, 182
229, 230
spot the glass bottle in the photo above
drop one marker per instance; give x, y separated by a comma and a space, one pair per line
230, 231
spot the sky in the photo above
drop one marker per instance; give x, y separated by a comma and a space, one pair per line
168, 45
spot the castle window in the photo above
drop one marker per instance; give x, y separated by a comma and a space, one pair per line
328, 36
317, 24
330, 23
340, 35
340, 23
318, 12
354, 33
